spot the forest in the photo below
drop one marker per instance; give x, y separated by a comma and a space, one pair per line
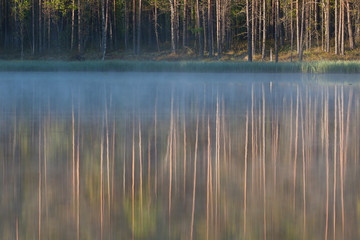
33, 29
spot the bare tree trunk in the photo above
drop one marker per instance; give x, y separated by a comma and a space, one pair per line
33, 27
249, 34
139, 28
302, 31
156, 26
79, 26
134, 25
351, 39
276, 30
209, 28
264, 31
253, 35
40, 39
126, 25
218, 36
291, 29
297, 27
198, 28
336, 28
172, 13
342, 7
103, 29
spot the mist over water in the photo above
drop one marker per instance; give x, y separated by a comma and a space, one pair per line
179, 156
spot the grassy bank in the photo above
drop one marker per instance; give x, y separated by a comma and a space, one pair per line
183, 66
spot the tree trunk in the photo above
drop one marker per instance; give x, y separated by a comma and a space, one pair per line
218, 28
103, 29
79, 26
209, 28
276, 30
172, 20
351, 39
40, 45
249, 34
336, 28
139, 28
253, 45
134, 25
302, 31
264, 30
297, 28
33, 27
156, 26
198, 28
291, 30
184, 22
126, 20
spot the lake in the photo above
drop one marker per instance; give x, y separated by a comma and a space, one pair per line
179, 156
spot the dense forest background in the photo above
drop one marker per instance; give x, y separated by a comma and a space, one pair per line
35, 28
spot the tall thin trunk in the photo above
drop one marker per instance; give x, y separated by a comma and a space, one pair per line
198, 27
172, 23
156, 26
103, 29
351, 39
276, 30
336, 28
40, 22
291, 29
134, 25
139, 27
185, 23
297, 27
253, 32
249, 34
126, 25
264, 31
33, 27
79, 26
209, 27
218, 45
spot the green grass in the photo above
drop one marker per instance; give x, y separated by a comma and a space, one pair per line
183, 66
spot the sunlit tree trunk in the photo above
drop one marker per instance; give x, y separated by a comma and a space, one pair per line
249, 34
264, 31
139, 27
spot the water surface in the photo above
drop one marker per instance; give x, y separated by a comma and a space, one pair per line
179, 156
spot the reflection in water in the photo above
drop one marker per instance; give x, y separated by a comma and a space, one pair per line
126, 156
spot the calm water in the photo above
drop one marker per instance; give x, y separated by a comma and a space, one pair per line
179, 156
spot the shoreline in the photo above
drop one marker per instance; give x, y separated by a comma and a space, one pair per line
317, 67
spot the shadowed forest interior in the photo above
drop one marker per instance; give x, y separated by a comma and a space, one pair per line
179, 156
125, 28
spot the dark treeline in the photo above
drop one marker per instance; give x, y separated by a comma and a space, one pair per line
209, 27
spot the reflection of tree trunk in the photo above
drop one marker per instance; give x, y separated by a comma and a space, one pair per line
133, 182
296, 146
101, 183
327, 161
303, 165
208, 181
39, 180
170, 158
194, 186
140, 169
184, 157
245, 171
341, 125
263, 155
335, 152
